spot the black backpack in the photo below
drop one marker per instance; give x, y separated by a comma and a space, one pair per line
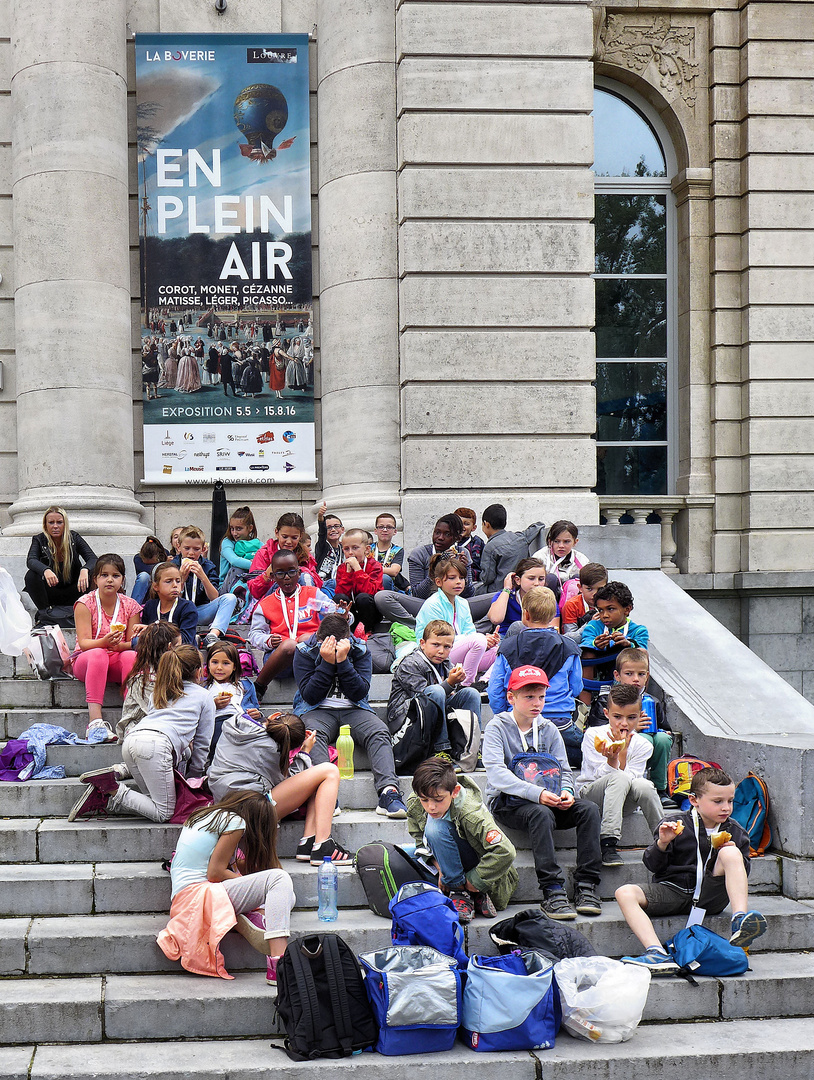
58, 615
383, 869
531, 929
322, 1001
414, 740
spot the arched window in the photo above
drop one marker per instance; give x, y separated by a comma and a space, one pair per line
635, 301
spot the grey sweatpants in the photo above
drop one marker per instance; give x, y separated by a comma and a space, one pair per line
367, 730
617, 793
269, 889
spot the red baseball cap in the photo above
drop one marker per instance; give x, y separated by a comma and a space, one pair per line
527, 676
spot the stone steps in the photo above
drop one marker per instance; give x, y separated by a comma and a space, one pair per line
131, 839
106, 887
118, 944
771, 1050
184, 1006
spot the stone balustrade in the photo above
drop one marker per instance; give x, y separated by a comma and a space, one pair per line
685, 521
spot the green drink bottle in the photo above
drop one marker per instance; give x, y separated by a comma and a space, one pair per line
344, 748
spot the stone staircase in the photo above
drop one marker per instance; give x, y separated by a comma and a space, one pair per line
88, 993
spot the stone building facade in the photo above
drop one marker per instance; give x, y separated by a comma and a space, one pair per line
454, 271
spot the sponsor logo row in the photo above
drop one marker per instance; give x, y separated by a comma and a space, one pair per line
210, 437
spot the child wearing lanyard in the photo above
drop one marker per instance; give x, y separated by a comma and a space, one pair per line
387, 552
167, 604
475, 651
106, 620
700, 863
283, 617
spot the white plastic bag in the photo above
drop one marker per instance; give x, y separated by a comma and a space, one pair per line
15, 622
602, 999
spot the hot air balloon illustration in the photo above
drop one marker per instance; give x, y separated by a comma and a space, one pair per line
261, 113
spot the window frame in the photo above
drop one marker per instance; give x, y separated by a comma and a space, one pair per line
662, 186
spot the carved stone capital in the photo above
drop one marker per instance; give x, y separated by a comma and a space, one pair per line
637, 41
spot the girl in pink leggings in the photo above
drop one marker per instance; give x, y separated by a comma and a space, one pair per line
105, 619
475, 652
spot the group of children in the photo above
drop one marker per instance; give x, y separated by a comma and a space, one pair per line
557, 754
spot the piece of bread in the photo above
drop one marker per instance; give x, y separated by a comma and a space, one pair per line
601, 744
679, 827
718, 839
118, 627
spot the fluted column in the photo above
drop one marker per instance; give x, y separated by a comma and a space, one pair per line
72, 294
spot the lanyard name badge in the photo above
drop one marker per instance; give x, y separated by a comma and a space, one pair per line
292, 630
697, 914
114, 618
534, 737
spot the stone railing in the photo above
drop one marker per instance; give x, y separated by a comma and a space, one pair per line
686, 526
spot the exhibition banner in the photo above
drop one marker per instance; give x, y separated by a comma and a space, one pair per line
227, 354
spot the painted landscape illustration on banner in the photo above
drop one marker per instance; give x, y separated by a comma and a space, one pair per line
227, 339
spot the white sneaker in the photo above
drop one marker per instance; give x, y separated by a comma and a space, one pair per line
101, 725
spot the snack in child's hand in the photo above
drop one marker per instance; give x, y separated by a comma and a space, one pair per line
117, 628
601, 744
678, 826
718, 839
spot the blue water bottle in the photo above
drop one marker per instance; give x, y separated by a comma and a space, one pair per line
649, 708
328, 888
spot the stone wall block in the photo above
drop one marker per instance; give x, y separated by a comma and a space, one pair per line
88, 325
428, 29
770, 172
494, 138
356, 106
359, 340
496, 301
356, 212
471, 84
535, 409
764, 59
777, 21
524, 355
355, 32
85, 33
496, 247
779, 247
59, 131
70, 247
503, 462
496, 193
779, 134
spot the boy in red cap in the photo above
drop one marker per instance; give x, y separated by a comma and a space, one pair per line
519, 804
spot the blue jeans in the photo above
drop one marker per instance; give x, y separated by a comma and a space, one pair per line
218, 612
465, 698
452, 853
572, 738
141, 586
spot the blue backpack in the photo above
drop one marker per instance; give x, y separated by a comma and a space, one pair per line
422, 915
751, 810
702, 952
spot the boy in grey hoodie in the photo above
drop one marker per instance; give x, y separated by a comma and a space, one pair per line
519, 804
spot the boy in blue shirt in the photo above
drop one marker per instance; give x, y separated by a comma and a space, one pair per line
612, 629
540, 645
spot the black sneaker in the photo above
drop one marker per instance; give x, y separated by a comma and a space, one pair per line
586, 900
555, 905
610, 856
667, 801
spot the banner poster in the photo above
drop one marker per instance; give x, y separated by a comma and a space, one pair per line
227, 362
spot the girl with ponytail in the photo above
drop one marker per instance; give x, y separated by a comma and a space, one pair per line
256, 755
179, 723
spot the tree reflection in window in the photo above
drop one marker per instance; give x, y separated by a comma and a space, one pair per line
632, 303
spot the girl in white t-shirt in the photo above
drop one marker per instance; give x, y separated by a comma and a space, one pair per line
207, 850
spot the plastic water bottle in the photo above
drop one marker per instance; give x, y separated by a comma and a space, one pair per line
328, 887
344, 749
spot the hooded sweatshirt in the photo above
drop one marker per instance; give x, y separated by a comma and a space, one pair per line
502, 741
248, 759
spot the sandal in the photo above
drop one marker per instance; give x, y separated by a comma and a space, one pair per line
330, 849
304, 849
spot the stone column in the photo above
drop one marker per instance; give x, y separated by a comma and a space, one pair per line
358, 258
72, 294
